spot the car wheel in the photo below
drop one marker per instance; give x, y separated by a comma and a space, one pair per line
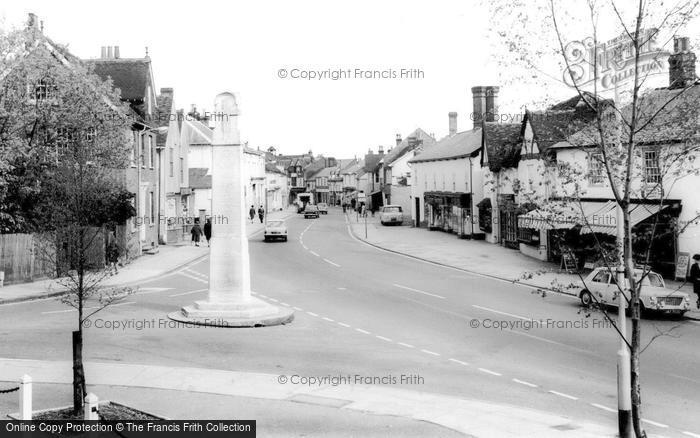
586, 298
284, 239
267, 239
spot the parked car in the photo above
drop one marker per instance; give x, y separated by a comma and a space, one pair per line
600, 286
311, 211
275, 230
391, 214
322, 207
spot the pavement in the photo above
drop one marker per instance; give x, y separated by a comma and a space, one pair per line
360, 311
478, 256
149, 266
470, 417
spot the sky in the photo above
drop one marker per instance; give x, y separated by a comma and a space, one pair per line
202, 49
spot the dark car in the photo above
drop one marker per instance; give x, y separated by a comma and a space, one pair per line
311, 211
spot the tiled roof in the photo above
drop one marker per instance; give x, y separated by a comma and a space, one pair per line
165, 107
666, 116
461, 145
131, 76
371, 162
199, 178
423, 138
269, 167
502, 142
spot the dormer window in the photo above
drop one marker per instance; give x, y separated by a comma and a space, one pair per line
43, 89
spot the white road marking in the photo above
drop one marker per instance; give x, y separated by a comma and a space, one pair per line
363, 331
190, 292
654, 423
458, 361
327, 319
430, 352
493, 373
264, 296
298, 308
331, 262
343, 324
342, 288
312, 313
502, 313
418, 291
315, 253
403, 344
192, 277
62, 311
694, 435
151, 290
384, 339
284, 304
561, 394
522, 382
273, 300
605, 408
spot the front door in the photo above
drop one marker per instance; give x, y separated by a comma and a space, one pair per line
417, 212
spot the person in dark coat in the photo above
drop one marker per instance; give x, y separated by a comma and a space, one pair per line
694, 276
251, 213
207, 231
112, 255
196, 232
261, 213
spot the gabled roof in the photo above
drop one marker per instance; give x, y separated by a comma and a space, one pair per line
131, 75
412, 141
325, 172
271, 168
353, 167
461, 145
198, 178
501, 141
561, 120
666, 116
372, 162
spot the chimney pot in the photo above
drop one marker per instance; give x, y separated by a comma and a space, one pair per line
398, 139
103, 52
452, 116
110, 52
484, 104
116, 52
33, 21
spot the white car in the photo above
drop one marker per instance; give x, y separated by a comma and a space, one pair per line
391, 214
322, 208
600, 286
275, 230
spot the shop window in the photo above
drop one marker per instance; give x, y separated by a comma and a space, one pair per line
596, 170
485, 215
529, 236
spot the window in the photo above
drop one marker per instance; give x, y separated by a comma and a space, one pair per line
596, 169
64, 138
134, 150
151, 152
152, 205
172, 163
182, 169
43, 90
142, 153
602, 277
529, 236
652, 173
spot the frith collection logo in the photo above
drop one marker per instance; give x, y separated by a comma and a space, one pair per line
613, 63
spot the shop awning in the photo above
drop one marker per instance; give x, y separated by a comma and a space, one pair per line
605, 220
484, 203
560, 216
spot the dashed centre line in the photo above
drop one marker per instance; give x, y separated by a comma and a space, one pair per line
522, 382
654, 423
561, 394
430, 352
418, 291
331, 263
458, 361
605, 408
487, 371
363, 331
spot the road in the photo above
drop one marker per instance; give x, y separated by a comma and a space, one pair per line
362, 311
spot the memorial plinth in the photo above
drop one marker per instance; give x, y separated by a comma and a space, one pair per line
229, 302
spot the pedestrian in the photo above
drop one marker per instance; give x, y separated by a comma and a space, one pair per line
345, 206
261, 213
695, 277
207, 231
196, 232
112, 254
251, 213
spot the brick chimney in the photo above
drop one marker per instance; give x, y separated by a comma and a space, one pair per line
398, 139
681, 72
452, 116
116, 52
484, 104
33, 22
380, 150
103, 52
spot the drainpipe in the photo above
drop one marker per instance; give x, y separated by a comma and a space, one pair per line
471, 198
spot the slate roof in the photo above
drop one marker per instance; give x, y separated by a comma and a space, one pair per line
462, 144
503, 143
272, 168
664, 116
199, 178
405, 146
372, 161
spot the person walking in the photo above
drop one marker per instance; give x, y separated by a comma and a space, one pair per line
207, 231
251, 213
694, 277
261, 213
112, 254
196, 232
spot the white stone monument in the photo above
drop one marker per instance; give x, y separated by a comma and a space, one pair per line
229, 303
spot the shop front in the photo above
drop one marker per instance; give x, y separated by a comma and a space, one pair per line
449, 212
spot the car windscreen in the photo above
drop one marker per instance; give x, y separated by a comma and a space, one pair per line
392, 209
275, 224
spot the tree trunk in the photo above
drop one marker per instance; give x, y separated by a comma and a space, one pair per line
78, 373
